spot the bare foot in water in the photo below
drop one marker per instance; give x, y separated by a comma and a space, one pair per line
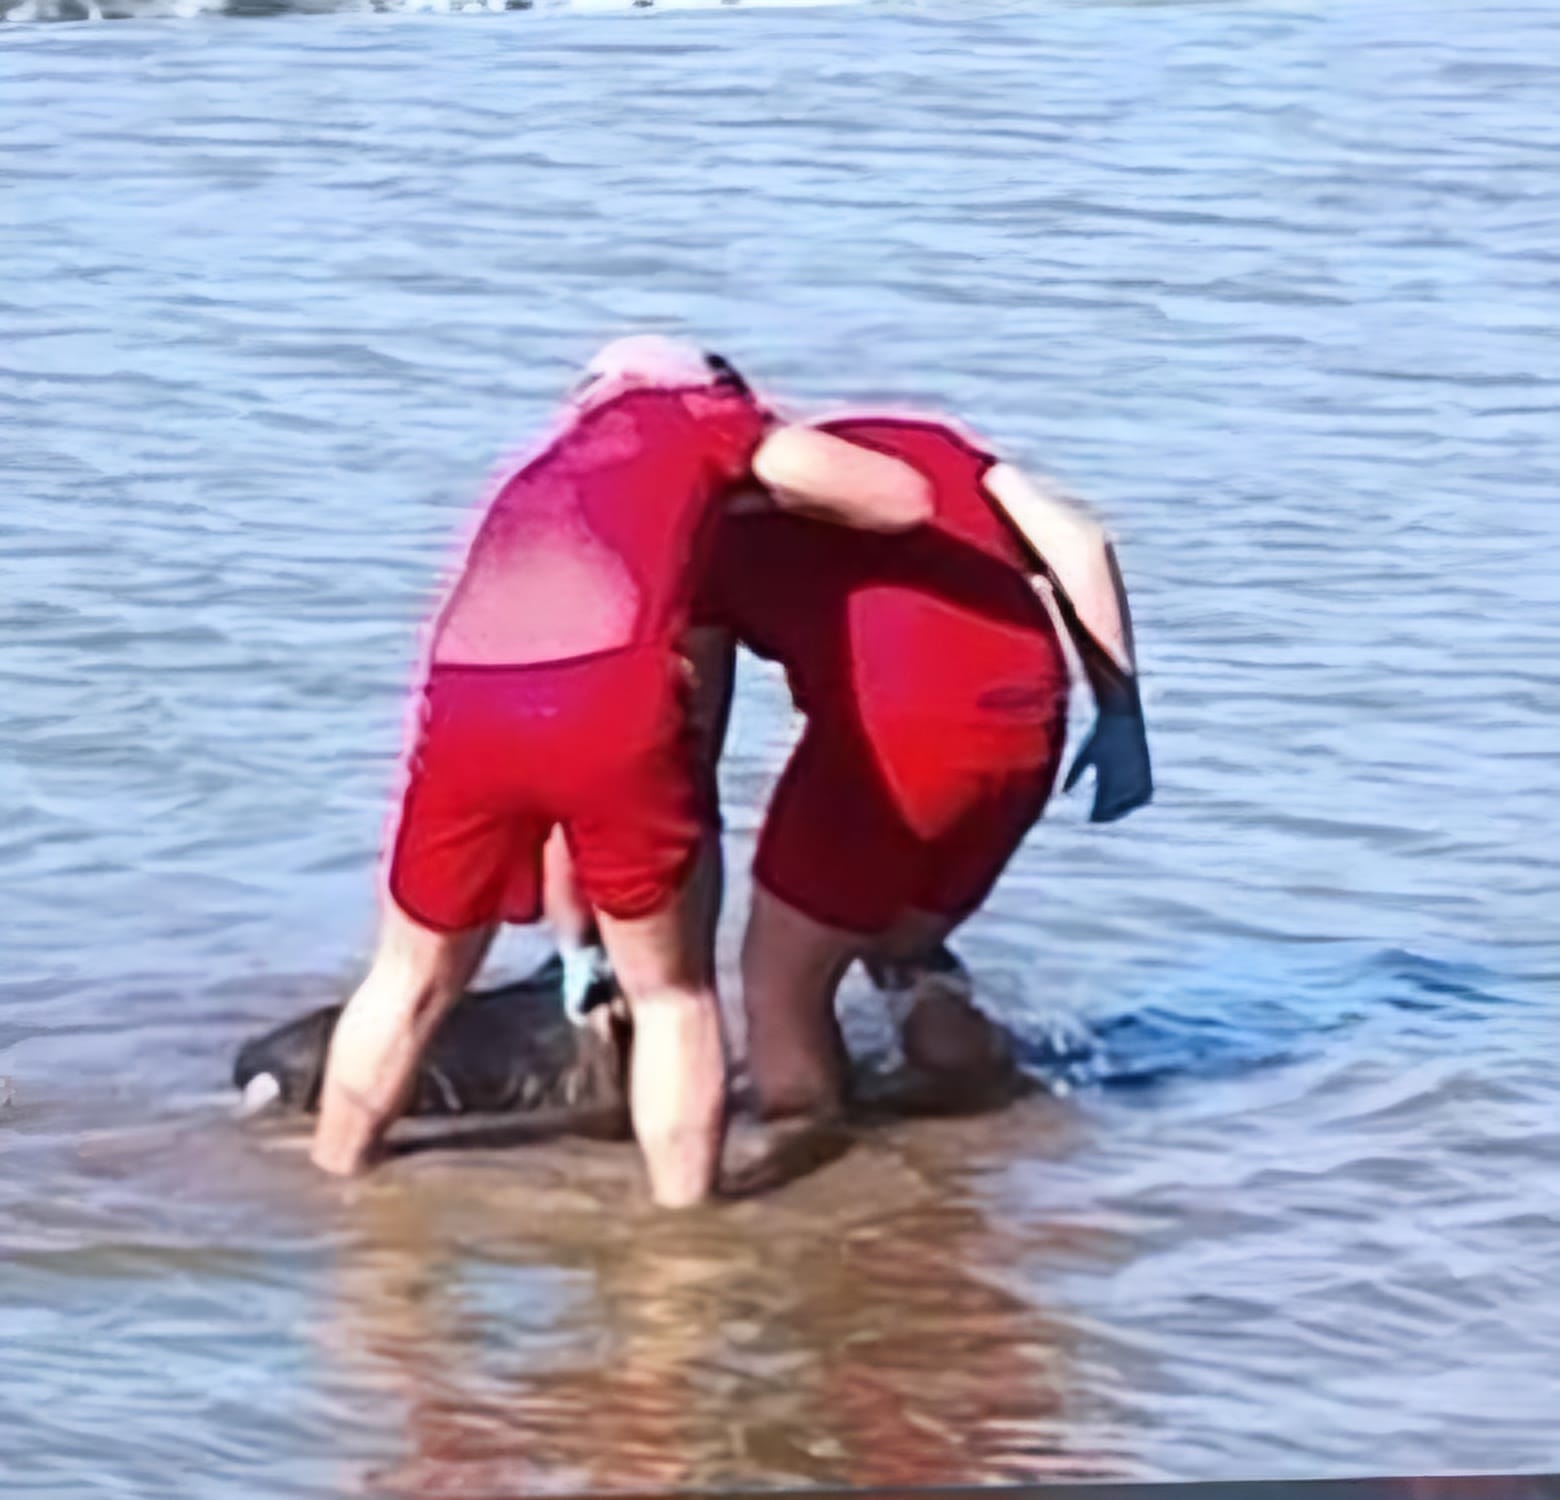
763, 1155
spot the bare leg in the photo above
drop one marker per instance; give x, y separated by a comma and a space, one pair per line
563, 902
416, 975
677, 1069
575, 928
791, 969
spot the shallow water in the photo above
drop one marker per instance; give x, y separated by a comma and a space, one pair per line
1276, 287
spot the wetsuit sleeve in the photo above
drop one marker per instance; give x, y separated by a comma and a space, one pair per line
981, 459
730, 426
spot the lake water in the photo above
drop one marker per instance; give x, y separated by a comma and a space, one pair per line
1274, 286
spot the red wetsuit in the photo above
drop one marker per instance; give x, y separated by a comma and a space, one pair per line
554, 694
933, 682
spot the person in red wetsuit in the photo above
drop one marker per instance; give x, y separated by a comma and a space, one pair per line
555, 698
931, 672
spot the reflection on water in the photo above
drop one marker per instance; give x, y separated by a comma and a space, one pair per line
863, 1348
1276, 285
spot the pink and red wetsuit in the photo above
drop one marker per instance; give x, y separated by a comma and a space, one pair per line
934, 685
554, 693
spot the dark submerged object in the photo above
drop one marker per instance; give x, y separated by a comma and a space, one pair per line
513, 1051
507, 1050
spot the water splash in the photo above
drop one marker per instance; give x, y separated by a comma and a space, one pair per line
1245, 1009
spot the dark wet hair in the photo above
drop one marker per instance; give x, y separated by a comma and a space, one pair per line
726, 375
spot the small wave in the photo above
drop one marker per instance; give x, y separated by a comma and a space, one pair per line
1246, 1010
42, 11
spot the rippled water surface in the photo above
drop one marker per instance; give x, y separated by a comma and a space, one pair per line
1277, 287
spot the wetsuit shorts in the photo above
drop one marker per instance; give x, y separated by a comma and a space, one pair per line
920, 817
597, 746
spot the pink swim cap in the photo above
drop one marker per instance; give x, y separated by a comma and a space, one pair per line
651, 360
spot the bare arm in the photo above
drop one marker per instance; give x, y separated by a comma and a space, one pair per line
711, 654
1083, 586
1079, 560
817, 474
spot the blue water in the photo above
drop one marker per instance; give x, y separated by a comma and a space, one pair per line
1248, 1007
1274, 288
